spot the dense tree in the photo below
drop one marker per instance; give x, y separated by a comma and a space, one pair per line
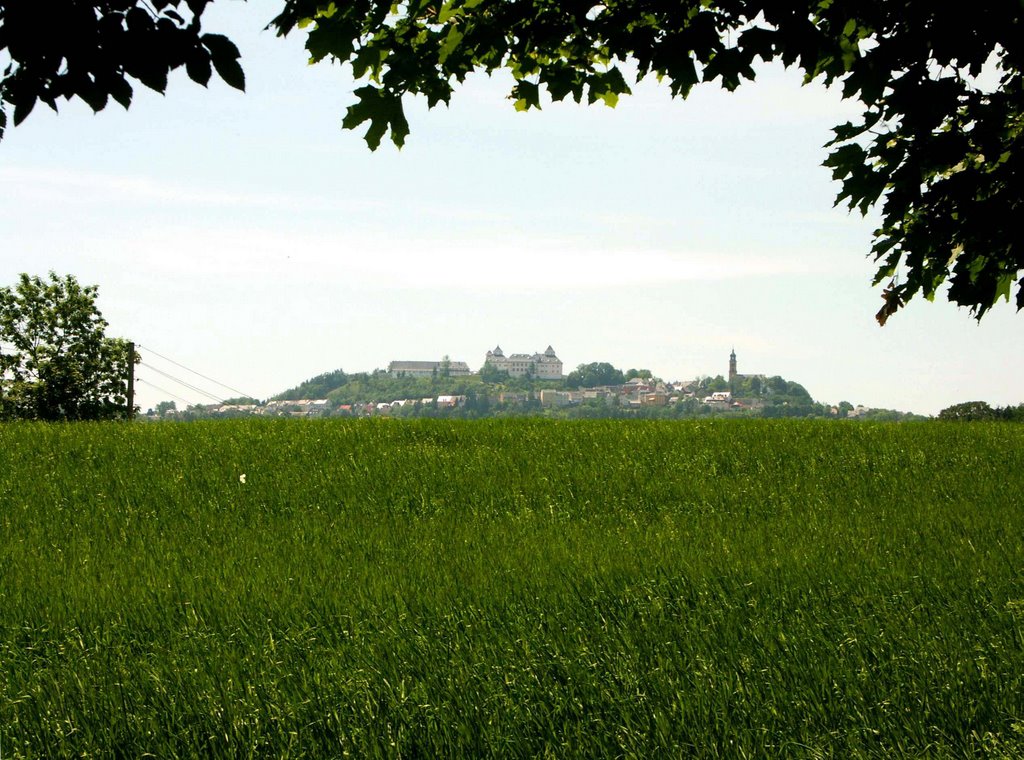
969, 411
713, 384
593, 375
491, 374
747, 385
55, 361
797, 390
316, 387
982, 411
163, 408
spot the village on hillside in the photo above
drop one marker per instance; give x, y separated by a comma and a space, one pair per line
518, 384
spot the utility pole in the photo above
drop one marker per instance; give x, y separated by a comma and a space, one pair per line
131, 380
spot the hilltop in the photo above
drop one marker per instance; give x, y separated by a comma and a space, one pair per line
521, 384
592, 390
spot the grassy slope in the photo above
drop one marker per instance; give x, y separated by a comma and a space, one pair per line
524, 588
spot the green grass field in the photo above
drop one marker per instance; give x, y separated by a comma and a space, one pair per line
511, 589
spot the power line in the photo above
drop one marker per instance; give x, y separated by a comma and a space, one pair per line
184, 383
199, 374
164, 391
179, 381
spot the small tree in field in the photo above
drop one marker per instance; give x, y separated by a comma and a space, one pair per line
56, 362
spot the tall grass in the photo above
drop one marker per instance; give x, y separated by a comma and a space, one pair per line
511, 588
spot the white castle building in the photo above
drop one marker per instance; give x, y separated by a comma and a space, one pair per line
445, 367
545, 366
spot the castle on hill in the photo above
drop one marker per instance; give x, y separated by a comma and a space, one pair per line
545, 366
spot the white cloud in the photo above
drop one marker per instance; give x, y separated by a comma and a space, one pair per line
378, 260
88, 187
64, 188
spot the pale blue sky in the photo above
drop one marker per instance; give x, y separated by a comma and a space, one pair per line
251, 238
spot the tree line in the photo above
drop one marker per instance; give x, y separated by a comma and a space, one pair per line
58, 364
56, 361
982, 411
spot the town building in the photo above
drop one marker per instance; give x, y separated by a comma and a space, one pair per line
555, 398
545, 366
429, 369
449, 402
734, 375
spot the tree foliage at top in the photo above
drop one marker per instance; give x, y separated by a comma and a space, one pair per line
56, 362
315, 387
644, 374
64, 49
593, 375
937, 147
982, 411
940, 153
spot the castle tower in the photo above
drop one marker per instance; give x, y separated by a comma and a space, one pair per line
732, 366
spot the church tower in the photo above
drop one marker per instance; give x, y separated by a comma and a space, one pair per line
732, 366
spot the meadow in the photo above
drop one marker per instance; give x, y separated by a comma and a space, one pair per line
511, 588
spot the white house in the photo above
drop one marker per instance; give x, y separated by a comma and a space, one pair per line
718, 397
428, 369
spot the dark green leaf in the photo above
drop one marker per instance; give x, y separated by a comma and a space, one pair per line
335, 36
198, 67
93, 95
224, 56
526, 95
22, 108
120, 90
